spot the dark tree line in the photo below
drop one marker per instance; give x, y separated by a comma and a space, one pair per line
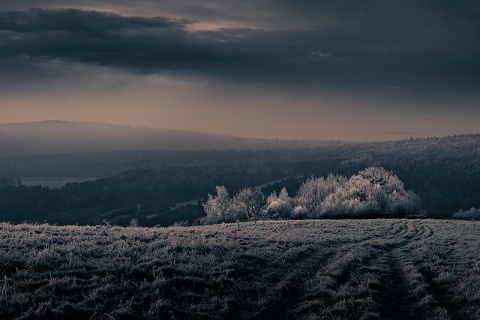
146, 195
445, 173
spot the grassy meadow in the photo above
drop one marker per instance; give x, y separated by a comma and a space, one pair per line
310, 269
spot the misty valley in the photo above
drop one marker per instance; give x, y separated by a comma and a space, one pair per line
271, 230
165, 187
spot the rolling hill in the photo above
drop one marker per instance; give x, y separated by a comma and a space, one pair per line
47, 137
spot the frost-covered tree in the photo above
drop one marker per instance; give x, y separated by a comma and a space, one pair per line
218, 207
249, 203
372, 192
388, 194
313, 192
280, 204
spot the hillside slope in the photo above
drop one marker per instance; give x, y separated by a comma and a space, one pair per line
444, 172
67, 137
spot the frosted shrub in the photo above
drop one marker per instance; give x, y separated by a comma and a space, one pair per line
314, 191
469, 214
372, 192
249, 203
300, 212
217, 207
246, 204
279, 205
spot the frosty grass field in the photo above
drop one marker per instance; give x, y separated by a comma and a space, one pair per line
323, 269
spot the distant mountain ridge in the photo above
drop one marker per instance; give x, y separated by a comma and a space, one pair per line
55, 136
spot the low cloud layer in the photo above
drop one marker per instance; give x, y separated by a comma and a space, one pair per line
358, 45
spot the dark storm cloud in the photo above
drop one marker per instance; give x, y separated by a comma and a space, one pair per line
341, 43
78, 21
143, 44
85, 35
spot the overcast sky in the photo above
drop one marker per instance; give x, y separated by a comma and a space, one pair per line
350, 70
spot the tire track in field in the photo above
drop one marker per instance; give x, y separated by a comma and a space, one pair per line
282, 297
441, 298
332, 282
285, 291
425, 230
393, 295
352, 263
399, 229
411, 231
437, 296
392, 292
281, 285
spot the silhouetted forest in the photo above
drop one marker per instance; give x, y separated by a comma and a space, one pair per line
444, 172
140, 193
